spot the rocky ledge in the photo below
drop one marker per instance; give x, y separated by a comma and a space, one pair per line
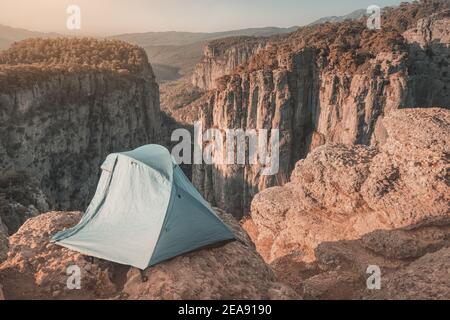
36, 268
349, 207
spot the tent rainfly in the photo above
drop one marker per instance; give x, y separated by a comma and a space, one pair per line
144, 211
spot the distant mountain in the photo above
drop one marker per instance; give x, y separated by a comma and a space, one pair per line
8, 35
355, 15
174, 54
175, 38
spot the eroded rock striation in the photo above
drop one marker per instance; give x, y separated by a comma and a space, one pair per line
349, 207
61, 114
36, 268
331, 83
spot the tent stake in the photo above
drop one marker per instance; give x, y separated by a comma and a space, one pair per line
89, 259
144, 278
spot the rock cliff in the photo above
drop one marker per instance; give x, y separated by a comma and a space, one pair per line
61, 113
3, 241
429, 63
20, 199
348, 207
330, 83
35, 268
221, 57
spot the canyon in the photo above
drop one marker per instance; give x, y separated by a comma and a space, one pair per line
363, 117
330, 83
344, 209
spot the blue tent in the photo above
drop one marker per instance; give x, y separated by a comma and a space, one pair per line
144, 211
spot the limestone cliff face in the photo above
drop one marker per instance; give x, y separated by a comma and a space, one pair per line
221, 57
328, 84
59, 125
429, 63
20, 199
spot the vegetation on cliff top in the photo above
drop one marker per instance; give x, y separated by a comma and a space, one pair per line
349, 45
219, 46
31, 60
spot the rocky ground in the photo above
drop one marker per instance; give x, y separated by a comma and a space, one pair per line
348, 207
36, 268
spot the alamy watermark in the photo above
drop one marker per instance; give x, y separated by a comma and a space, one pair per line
74, 280
374, 280
374, 19
74, 20
229, 146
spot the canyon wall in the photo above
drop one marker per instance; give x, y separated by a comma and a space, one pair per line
58, 122
221, 57
429, 62
325, 84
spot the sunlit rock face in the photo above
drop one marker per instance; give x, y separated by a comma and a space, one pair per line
331, 83
221, 57
349, 207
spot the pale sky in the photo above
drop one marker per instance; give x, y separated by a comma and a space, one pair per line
106, 17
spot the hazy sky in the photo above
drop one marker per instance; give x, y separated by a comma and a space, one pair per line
120, 16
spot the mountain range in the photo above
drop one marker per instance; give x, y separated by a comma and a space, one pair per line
355, 15
9, 35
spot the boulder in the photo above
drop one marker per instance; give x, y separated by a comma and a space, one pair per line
349, 207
